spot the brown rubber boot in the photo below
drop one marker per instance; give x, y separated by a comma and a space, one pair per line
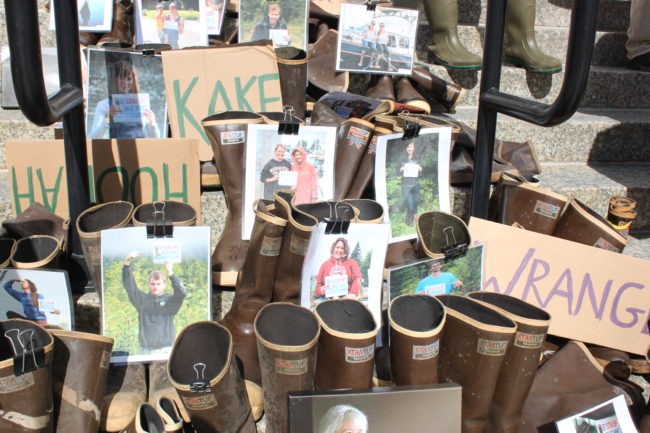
80, 372
480, 337
416, 325
346, 347
126, 390
400, 253
366, 211
520, 364
292, 67
147, 420
295, 241
89, 226
383, 89
37, 220
321, 71
87, 38
7, 246
26, 351
352, 138
438, 231
406, 94
621, 213
35, 252
569, 382
122, 27
227, 133
581, 224
287, 337
366, 171
179, 214
515, 201
253, 291
161, 388
203, 369
170, 415
446, 94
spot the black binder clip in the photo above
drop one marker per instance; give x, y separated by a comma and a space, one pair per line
371, 5
336, 226
289, 126
158, 226
148, 52
454, 249
28, 356
411, 130
200, 385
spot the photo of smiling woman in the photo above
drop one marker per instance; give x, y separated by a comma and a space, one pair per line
339, 276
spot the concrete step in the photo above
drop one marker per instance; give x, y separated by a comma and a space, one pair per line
591, 135
612, 14
609, 46
48, 38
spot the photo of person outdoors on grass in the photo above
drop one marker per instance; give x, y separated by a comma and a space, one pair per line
179, 23
284, 22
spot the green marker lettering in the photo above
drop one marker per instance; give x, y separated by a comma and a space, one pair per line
242, 103
154, 184
263, 99
54, 190
183, 194
17, 196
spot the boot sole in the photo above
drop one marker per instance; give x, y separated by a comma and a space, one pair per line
452, 66
519, 63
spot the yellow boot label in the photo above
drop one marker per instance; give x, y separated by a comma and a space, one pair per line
359, 354
491, 348
528, 341
426, 352
291, 367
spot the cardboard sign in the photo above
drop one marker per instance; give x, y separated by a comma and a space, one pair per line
236, 77
593, 295
139, 171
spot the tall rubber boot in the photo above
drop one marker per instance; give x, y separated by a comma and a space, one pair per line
292, 67
383, 89
446, 94
406, 94
520, 364
203, 369
321, 71
253, 291
569, 382
37, 220
178, 213
346, 347
26, 351
521, 47
416, 325
147, 420
352, 140
36, 252
287, 337
169, 412
126, 390
366, 170
446, 48
89, 226
161, 388
80, 372
227, 133
295, 241
473, 347
122, 26
581, 224
515, 201
438, 231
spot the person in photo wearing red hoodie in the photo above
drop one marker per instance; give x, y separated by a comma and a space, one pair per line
338, 276
306, 188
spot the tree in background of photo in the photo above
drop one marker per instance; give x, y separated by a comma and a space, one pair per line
121, 318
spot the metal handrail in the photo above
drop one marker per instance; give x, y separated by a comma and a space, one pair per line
492, 101
66, 103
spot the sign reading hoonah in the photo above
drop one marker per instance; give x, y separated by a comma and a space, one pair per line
139, 171
593, 295
240, 77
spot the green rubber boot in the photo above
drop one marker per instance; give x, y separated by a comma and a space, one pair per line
521, 46
446, 47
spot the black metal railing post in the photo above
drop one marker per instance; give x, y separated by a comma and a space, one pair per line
491, 101
66, 103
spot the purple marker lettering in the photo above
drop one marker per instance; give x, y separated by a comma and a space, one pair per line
568, 294
633, 311
587, 285
532, 278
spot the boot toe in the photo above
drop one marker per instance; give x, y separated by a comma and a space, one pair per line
465, 61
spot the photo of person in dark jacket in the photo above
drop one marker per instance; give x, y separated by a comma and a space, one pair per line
156, 309
273, 26
270, 174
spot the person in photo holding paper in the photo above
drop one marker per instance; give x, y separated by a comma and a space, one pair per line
273, 173
125, 113
339, 276
273, 26
409, 171
438, 283
156, 309
306, 186
174, 26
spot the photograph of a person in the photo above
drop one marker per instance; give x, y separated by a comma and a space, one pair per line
303, 163
380, 41
126, 96
433, 277
214, 13
611, 416
94, 15
40, 296
345, 266
150, 296
382, 410
412, 176
282, 21
179, 23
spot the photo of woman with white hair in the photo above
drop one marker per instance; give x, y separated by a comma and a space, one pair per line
343, 418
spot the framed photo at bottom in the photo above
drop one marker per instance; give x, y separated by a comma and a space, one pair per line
433, 408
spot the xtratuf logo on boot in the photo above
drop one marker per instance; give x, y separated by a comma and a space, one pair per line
359, 354
491, 348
